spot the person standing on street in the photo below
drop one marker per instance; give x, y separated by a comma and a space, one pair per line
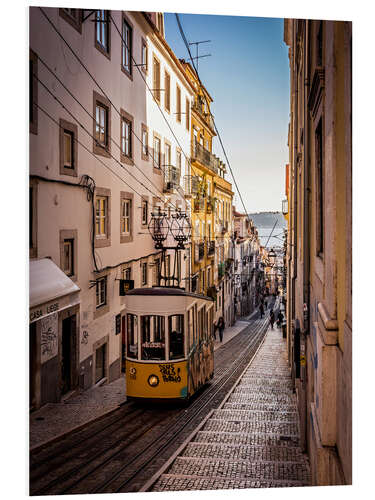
221, 326
261, 310
280, 318
272, 319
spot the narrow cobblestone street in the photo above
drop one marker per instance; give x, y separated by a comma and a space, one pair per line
252, 441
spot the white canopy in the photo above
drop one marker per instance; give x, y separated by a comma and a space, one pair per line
48, 282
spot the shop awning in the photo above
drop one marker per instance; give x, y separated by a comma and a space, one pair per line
50, 289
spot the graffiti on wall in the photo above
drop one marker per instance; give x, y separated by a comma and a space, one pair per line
49, 337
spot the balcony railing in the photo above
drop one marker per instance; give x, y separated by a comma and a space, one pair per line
221, 270
198, 106
191, 184
198, 205
171, 178
210, 247
202, 154
198, 251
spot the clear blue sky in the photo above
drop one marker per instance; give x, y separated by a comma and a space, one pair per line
247, 75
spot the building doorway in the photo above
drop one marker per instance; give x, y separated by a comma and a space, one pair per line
100, 359
32, 365
68, 354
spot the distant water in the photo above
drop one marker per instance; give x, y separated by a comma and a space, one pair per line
264, 222
276, 240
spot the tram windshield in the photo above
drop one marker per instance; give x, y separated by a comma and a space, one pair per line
153, 337
176, 336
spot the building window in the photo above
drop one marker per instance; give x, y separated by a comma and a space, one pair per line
126, 137
178, 103
178, 160
144, 274
167, 154
101, 216
68, 148
144, 212
73, 17
33, 92
144, 142
156, 272
144, 56
187, 109
167, 91
33, 218
101, 292
157, 152
156, 79
208, 276
319, 169
125, 217
102, 38
319, 45
102, 125
68, 252
127, 273
127, 40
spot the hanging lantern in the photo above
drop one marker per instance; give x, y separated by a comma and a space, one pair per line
159, 227
180, 228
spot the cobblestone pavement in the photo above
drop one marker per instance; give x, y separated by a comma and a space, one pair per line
54, 420
252, 441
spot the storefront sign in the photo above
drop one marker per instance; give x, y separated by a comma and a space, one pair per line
52, 307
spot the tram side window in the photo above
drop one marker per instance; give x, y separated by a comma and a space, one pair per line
190, 328
176, 336
153, 337
132, 342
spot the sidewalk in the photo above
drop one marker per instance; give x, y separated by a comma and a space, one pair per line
54, 420
251, 440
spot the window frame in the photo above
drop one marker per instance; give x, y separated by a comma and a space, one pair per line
127, 197
167, 91
105, 239
144, 200
187, 112
72, 235
144, 45
98, 148
106, 51
178, 103
125, 70
144, 130
157, 169
102, 280
319, 187
76, 23
129, 120
144, 276
72, 129
156, 81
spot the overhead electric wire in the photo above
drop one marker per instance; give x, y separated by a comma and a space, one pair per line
93, 118
106, 95
216, 130
92, 136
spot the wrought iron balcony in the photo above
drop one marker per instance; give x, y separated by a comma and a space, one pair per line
198, 106
171, 178
198, 205
202, 154
210, 247
191, 185
198, 251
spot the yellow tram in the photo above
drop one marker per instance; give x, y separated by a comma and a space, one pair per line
169, 343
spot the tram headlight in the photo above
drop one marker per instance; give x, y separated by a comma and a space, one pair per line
153, 380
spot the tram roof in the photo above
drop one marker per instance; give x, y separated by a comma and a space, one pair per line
168, 291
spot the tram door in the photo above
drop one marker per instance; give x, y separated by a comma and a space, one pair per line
123, 342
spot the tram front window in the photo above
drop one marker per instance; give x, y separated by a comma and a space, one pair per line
176, 336
132, 343
153, 337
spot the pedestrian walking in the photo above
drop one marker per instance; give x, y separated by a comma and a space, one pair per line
280, 318
272, 319
261, 310
265, 304
221, 326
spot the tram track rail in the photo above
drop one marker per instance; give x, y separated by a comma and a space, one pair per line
126, 465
